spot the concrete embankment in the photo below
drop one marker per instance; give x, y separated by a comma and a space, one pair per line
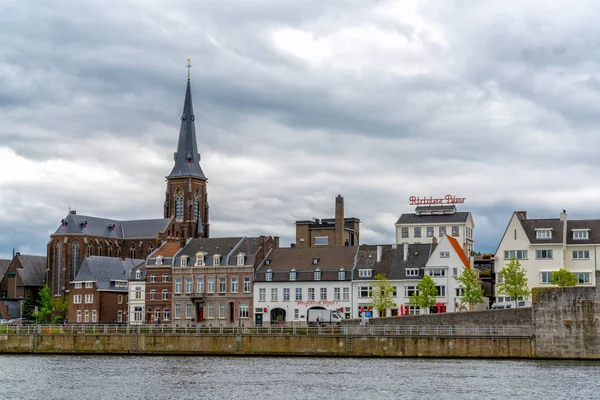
270, 345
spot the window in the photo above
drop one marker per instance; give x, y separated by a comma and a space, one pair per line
177, 287
240, 259
211, 310
441, 291
199, 259
244, 310
459, 292
286, 294
132, 251
137, 314
189, 311
364, 291
178, 211
211, 285
546, 277
442, 231
74, 259
119, 316
247, 284
262, 294
543, 233
216, 260
269, 275
222, 284
414, 310
78, 285
346, 293
184, 261
436, 272
200, 285
518, 254
138, 292
365, 273
410, 290
336, 294
296, 313
159, 260
153, 278
342, 275
454, 271
189, 284
444, 254
177, 310
88, 285
298, 294
87, 315
581, 234
152, 294
404, 232
412, 272
196, 205
543, 254
430, 231
166, 314
94, 316
583, 277
165, 294
293, 275
323, 294
274, 294
77, 299
321, 241
138, 274
417, 232
581, 254
58, 263
78, 315
222, 310
499, 278
89, 298
165, 277
315, 261
234, 284
317, 274
311, 293
455, 231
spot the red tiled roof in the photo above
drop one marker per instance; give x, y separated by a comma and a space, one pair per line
168, 249
459, 251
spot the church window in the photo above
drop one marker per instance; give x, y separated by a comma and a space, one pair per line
100, 249
132, 251
74, 259
58, 264
90, 248
150, 248
196, 206
109, 250
179, 204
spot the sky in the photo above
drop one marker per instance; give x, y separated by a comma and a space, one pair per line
296, 102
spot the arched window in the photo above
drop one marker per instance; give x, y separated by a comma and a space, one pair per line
179, 204
109, 250
90, 248
118, 251
100, 249
58, 265
74, 259
132, 251
196, 206
150, 248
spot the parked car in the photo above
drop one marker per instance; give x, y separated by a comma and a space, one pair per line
509, 302
11, 322
3, 322
23, 321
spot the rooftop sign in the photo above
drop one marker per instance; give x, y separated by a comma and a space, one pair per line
426, 201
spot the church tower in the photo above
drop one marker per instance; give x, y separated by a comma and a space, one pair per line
186, 198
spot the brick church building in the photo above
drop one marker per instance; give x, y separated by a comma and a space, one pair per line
185, 216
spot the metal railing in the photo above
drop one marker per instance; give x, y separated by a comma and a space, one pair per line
344, 330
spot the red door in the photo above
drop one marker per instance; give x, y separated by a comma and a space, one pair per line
200, 312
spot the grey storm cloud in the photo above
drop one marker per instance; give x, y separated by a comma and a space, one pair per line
297, 101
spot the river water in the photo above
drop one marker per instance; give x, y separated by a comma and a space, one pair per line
112, 377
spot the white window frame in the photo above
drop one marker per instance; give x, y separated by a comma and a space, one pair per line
153, 278
311, 294
221, 310
165, 294
581, 234
94, 316
586, 280
240, 259
262, 294
183, 262
216, 260
274, 294
152, 294
89, 299
189, 284
234, 284
222, 284
269, 275
317, 274
365, 273
165, 278
77, 299
337, 294
342, 275
404, 232
199, 259
247, 284
244, 310
78, 315
539, 253
200, 284
581, 254
210, 287
177, 310
211, 311
430, 231
78, 285
89, 285
412, 271
323, 294
298, 294
189, 310
417, 232
293, 274
545, 276
286, 294
516, 254
444, 254
321, 241
543, 233
455, 231
178, 285
346, 294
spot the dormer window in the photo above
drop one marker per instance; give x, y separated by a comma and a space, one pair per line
543, 233
581, 234
111, 227
317, 274
199, 259
184, 261
269, 275
138, 275
216, 260
315, 261
159, 260
240, 259
267, 262
82, 224
365, 273
342, 274
293, 275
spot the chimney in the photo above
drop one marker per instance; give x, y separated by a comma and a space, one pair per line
434, 240
276, 239
522, 214
405, 248
72, 212
339, 220
379, 251
563, 219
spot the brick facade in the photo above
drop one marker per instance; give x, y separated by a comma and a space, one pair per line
107, 306
158, 278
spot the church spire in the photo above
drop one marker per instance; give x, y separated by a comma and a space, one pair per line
187, 158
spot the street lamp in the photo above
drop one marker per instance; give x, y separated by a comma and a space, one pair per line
21, 309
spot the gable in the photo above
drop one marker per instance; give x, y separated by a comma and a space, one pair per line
455, 258
514, 229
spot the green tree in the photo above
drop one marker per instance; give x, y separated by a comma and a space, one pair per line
472, 293
46, 305
514, 281
28, 304
425, 296
383, 295
61, 307
563, 278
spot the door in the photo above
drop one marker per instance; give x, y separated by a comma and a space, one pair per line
231, 311
258, 318
200, 312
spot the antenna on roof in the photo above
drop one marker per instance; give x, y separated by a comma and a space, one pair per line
13, 251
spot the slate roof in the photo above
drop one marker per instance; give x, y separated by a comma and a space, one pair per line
104, 270
414, 218
33, 271
392, 262
331, 260
4, 264
95, 226
530, 226
226, 247
143, 272
187, 158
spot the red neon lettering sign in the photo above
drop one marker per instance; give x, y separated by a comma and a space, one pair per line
427, 201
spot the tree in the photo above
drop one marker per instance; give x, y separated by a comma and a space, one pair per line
425, 296
383, 297
469, 283
61, 307
46, 305
514, 281
28, 304
563, 278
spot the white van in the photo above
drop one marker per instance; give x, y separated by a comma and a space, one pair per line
508, 302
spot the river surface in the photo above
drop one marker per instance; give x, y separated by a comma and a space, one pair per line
112, 377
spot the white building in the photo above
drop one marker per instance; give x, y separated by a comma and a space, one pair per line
136, 299
293, 280
405, 265
433, 222
546, 245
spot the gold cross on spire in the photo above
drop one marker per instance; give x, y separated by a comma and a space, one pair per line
188, 66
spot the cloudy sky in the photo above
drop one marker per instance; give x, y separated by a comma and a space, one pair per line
295, 102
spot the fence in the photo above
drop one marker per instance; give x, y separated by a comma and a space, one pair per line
346, 330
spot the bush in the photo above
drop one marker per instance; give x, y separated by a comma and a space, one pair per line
58, 320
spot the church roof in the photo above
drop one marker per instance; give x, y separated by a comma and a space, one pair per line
33, 270
110, 228
187, 158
